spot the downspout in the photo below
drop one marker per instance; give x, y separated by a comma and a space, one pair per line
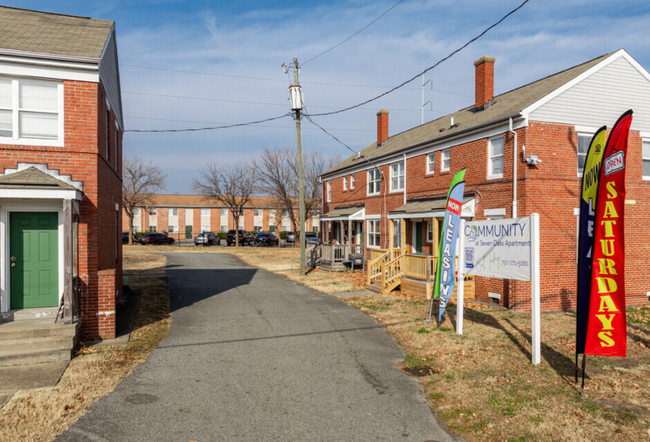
515, 154
404, 155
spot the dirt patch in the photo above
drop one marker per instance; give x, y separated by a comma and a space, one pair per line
42, 414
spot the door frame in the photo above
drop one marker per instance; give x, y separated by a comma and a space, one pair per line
27, 206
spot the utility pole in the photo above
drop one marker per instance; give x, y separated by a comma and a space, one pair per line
295, 95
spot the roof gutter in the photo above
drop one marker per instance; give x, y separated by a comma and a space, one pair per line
46, 56
427, 143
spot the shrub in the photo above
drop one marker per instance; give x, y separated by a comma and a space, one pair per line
222, 235
283, 234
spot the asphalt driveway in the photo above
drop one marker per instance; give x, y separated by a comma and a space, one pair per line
252, 356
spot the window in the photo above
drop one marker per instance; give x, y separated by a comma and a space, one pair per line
646, 159
352, 181
397, 176
153, 228
430, 163
397, 233
583, 147
286, 228
271, 218
136, 211
205, 212
173, 212
153, 212
30, 109
329, 191
374, 235
257, 212
315, 228
224, 229
445, 164
205, 228
345, 183
136, 229
172, 229
257, 228
374, 181
430, 231
495, 165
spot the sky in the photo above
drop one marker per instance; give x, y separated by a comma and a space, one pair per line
200, 63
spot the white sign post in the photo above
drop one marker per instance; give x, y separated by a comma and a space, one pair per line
506, 248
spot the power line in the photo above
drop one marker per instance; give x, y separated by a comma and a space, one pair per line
427, 69
369, 86
213, 127
355, 34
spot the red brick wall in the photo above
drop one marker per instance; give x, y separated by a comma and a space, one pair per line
84, 158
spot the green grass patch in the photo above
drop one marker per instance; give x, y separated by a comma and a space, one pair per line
422, 330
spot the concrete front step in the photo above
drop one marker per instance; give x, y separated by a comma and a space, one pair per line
42, 343
29, 314
17, 357
36, 341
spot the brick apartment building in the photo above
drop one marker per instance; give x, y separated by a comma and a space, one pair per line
185, 216
406, 176
61, 131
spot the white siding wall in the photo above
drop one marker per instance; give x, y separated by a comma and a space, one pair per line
601, 98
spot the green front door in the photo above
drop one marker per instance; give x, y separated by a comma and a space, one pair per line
188, 232
418, 237
34, 264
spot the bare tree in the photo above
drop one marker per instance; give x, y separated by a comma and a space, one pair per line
230, 185
140, 181
277, 171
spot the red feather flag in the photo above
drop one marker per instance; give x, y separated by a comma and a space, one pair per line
607, 326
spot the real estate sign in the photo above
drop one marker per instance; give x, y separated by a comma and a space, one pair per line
498, 248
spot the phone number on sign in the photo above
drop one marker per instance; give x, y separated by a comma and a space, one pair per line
506, 263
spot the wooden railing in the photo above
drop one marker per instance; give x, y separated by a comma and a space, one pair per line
391, 272
375, 267
375, 253
337, 253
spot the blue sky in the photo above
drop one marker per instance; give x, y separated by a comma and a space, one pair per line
188, 64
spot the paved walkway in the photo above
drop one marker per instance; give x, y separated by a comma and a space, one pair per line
252, 356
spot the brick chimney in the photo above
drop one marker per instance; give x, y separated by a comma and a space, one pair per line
484, 90
382, 127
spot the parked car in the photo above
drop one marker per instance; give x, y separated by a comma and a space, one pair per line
207, 239
267, 239
155, 238
291, 237
312, 238
245, 238
125, 237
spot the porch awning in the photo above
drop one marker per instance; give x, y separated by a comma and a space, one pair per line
431, 208
31, 182
345, 214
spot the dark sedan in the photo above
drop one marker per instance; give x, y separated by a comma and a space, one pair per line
155, 238
266, 239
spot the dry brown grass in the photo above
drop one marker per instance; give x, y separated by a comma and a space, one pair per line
143, 264
486, 388
42, 414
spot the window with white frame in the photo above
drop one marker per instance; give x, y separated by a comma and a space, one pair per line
30, 109
205, 228
345, 183
136, 211
397, 233
397, 176
205, 212
646, 159
495, 160
257, 228
315, 228
430, 231
153, 211
153, 228
352, 181
374, 233
224, 229
431, 163
329, 191
583, 147
374, 181
286, 228
445, 163
223, 212
257, 212
136, 229
172, 229
173, 211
